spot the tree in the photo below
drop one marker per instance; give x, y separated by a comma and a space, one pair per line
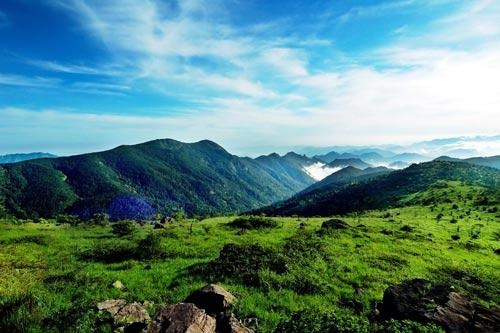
130, 208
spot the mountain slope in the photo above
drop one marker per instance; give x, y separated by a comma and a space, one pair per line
13, 158
288, 169
491, 161
199, 178
386, 190
346, 176
345, 162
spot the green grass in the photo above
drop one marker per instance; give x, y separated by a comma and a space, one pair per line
50, 283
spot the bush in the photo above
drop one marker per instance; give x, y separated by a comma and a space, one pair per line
407, 228
124, 228
253, 222
150, 247
243, 263
408, 326
111, 251
72, 220
100, 219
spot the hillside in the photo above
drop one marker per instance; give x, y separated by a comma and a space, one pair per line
490, 161
288, 169
346, 176
345, 162
13, 158
386, 190
199, 178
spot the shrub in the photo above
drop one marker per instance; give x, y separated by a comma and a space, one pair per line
110, 251
150, 247
100, 219
35, 239
72, 220
124, 228
407, 228
243, 263
253, 222
408, 326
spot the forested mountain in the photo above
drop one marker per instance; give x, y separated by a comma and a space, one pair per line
199, 178
345, 162
491, 161
386, 190
288, 169
348, 175
13, 158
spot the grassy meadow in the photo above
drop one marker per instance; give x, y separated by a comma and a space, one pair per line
286, 274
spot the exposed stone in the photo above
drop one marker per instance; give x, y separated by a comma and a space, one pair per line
421, 301
130, 318
182, 318
230, 324
111, 305
118, 284
212, 298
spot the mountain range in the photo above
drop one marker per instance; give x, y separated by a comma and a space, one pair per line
202, 178
331, 197
13, 158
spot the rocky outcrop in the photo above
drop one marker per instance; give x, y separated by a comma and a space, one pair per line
421, 301
182, 318
127, 317
212, 298
206, 310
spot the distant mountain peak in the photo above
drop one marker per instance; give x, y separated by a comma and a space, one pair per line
19, 157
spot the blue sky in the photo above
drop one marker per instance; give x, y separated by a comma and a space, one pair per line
254, 76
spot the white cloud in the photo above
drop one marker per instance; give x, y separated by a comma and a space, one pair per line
259, 90
27, 81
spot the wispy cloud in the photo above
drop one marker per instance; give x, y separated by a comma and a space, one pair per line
248, 86
73, 68
26, 81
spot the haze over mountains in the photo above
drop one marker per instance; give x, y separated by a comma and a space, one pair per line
13, 158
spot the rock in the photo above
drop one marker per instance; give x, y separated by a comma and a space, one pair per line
130, 318
212, 298
111, 305
333, 224
118, 284
182, 318
421, 301
230, 324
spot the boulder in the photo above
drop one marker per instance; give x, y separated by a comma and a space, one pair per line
182, 318
421, 301
127, 317
212, 298
333, 224
111, 305
231, 324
